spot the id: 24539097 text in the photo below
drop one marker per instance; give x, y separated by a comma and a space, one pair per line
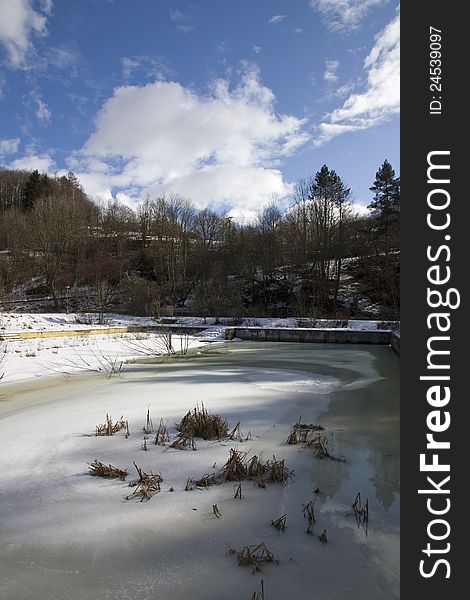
435, 70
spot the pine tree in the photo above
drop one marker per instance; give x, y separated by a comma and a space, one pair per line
35, 187
329, 194
329, 197
385, 206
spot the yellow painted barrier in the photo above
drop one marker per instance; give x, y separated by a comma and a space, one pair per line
27, 335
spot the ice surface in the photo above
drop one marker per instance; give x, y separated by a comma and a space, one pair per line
68, 535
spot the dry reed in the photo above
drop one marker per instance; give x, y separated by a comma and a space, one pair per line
238, 491
277, 472
200, 423
256, 555
280, 523
235, 468
361, 512
147, 486
161, 436
101, 470
239, 468
148, 423
300, 432
309, 514
110, 428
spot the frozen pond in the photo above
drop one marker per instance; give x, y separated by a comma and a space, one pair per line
67, 535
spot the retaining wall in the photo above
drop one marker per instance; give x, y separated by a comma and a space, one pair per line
51, 333
320, 336
395, 343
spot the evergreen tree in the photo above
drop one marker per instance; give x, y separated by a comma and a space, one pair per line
385, 206
329, 197
36, 186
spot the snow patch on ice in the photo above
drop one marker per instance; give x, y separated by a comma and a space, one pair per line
293, 381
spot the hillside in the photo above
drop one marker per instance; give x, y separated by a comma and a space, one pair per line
60, 251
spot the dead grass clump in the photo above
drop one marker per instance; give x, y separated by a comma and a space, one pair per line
255, 556
110, 428
147, 486
161, 436
200, 423
101, 470
145, 489
238, 468
235, 468
278, 472
300, 432
183, 442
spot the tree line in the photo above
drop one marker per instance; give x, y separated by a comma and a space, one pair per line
317, 257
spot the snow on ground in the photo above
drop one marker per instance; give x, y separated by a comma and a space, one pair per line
32, 358
11, 322
66, 534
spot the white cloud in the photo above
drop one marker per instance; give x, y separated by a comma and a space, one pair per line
151, 68
330, 71
257, 49
43, 114
344, 90
221, 148
44, 163
18, 23
343, 15
276, 19
381, 99
241, 189
9, 146
182, 20
63, 57
298, 30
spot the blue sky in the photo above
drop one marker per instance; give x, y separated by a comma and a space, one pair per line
226, 102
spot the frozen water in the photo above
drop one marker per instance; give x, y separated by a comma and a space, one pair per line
68, 535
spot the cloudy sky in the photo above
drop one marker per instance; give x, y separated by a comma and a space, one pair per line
226, 102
